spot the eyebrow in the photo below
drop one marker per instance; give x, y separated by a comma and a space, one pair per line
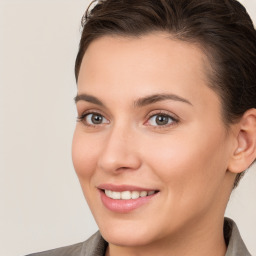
141, 102
88, 98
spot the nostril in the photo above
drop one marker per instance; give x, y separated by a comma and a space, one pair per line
124, 168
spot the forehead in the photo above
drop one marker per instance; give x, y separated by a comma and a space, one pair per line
148, 64
147, 51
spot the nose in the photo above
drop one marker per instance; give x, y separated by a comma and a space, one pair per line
119, 152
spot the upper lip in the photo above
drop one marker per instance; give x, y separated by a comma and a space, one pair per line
125, 187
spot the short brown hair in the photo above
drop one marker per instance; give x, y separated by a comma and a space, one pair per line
222, 28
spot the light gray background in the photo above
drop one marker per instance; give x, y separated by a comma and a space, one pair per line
41, 204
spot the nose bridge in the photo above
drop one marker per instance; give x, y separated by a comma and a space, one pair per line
119, 150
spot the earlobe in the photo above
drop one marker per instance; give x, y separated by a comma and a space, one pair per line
245, 151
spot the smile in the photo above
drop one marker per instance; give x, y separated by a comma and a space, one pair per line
127, 195
125, 198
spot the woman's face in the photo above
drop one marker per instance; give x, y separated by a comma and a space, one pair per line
150, 149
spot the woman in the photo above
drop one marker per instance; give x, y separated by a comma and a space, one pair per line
166, 125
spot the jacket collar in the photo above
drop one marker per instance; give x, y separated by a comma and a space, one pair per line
236, 246
94, 246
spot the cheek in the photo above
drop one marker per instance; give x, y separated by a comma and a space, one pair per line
191, 162
84, 155
191, 172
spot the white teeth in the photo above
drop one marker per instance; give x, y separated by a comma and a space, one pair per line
143, 193
126, 195
116, 195
135, 194
108, 193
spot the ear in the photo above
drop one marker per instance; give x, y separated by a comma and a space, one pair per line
244, 152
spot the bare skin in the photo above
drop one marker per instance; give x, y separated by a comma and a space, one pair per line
148, 119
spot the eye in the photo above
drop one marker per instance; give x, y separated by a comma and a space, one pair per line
161, 120
93, 119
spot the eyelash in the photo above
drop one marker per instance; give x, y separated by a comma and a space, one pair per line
82, 118
174, 120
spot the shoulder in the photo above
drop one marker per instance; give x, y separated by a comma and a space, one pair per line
71, 250
95, 245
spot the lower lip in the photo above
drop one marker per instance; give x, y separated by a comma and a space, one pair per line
124, 206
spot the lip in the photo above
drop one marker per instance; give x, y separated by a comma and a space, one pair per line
124, 206
121, 188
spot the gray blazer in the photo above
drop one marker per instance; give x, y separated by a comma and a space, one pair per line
96, 245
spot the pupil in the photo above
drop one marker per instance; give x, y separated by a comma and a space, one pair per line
96, 119
162, 120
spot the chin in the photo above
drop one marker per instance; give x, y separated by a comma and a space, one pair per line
123, 235
124, 240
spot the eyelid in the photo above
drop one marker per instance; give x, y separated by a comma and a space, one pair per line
174, 117
81, 117
162, 112
93, 111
